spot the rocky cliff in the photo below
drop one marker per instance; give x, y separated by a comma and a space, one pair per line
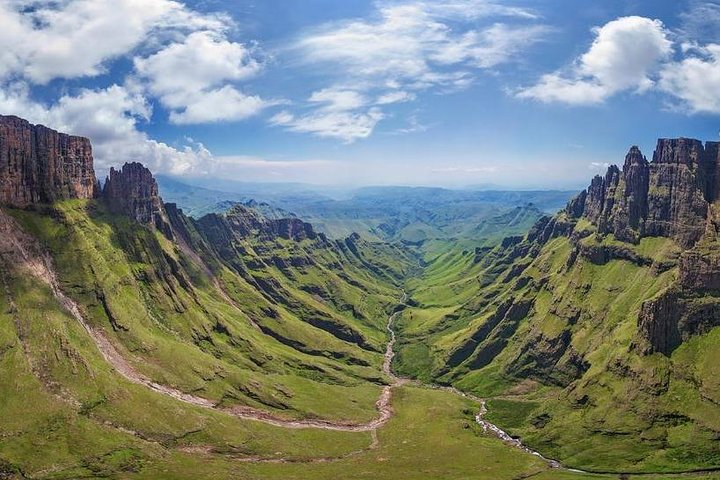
671, 196
40, 165
667, 197
133, 191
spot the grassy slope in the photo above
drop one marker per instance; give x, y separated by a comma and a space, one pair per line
627, 412
85, 421
432, 436
190, 338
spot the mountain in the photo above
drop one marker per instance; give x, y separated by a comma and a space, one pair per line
419, 216
139, 342
596, 332
109, 295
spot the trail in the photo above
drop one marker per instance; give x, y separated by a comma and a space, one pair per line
20, 249
124, 368
23, 251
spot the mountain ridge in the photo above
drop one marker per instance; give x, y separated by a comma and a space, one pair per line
593, 335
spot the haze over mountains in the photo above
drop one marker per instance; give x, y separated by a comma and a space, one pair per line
158, 345
414, 215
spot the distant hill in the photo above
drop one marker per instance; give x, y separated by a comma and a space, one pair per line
415, 215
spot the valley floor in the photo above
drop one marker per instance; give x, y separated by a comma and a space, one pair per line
95, 414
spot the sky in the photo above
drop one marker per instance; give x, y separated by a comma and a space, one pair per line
521, 94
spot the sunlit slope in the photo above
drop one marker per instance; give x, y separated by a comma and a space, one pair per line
548, 324
228, 340
68, 413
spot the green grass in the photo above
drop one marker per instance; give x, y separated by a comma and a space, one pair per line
303, 337
432, 436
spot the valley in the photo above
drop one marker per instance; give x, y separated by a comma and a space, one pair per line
140, 342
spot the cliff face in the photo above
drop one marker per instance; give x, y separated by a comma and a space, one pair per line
668, 197
133, 191
40, 165
672, 196
245, 222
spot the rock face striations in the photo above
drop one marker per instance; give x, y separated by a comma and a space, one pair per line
668, 197
672, 196
133, 191
40, 165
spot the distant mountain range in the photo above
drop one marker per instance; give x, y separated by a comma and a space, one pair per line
137, 341
411, 214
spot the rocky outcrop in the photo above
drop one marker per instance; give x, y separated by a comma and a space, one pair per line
133, 191
632, 199
39, 165
658, 324
668, 197
246, 222
678, 196
672, 196
576, 206
600, 254
700, 271
690, 307
673, 317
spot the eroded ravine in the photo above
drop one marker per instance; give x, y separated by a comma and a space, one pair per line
24, 252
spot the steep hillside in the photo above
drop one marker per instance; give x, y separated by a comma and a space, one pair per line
233, 311
136, 342
431, 218
596, 331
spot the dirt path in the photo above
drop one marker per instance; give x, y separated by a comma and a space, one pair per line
23, 251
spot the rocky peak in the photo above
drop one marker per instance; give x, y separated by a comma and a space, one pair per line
679, 151
667, 197
40, 165
246, 222
133, 191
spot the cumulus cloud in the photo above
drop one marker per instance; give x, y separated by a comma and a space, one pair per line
408, 47
624, 56
42, 39
189, 78
695, 80
182, 58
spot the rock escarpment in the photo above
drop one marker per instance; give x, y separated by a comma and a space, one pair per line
667, 197
40, 165
245, 222
133, 191
672, 196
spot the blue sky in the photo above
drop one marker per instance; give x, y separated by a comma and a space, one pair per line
412, 92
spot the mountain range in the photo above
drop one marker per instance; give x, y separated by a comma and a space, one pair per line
137, 341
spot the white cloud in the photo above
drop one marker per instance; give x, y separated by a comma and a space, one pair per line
409, 42
695, 80
701, 21
333, 100
344, 125
190, 66
394, 96
599, 167
182, 57
407, 47
624, 56
474, 9
189, 78
42, 39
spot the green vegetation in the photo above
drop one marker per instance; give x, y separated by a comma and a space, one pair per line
546, 330
550, 333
